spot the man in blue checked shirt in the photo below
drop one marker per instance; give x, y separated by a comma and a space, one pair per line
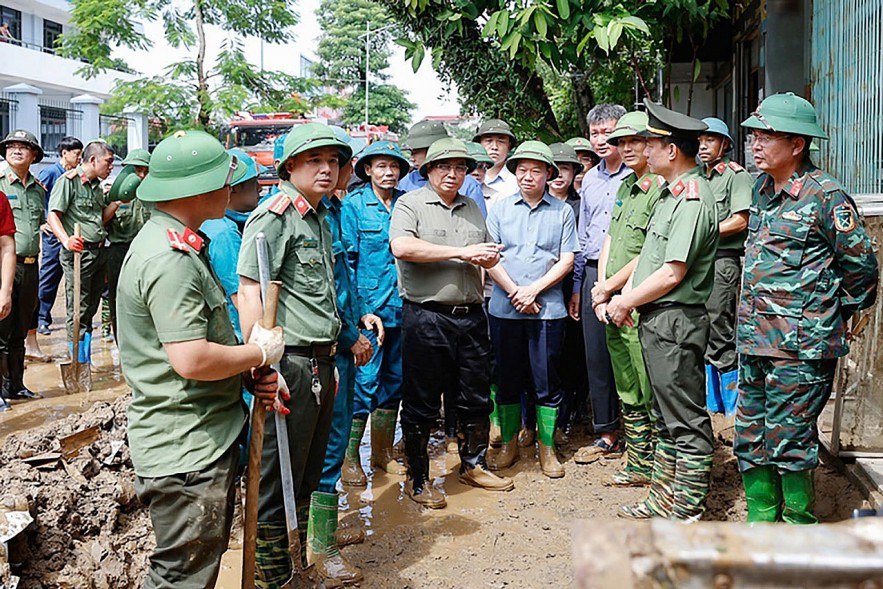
527, 307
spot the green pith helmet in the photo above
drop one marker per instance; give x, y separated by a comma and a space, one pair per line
478, 151
533, 150
312, 136
137, 157
447, 149
495, 127
125, 185
425, 133
384, 148
786, 113
22, 136
664, 122
580, 144
188, 163
563, 153
630, 124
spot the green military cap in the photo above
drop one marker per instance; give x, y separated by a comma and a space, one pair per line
312, 136
384, 148
126, 184
446, 149
786, 113
188, 163
22, 136
629, 125
563, 153
494, 127
425, 133
664, 122
478, 151
533, 150
137, 157
580, 144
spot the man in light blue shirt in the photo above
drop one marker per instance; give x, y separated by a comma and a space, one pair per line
527, 308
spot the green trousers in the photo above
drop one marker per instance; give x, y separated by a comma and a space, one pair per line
629, 373
191, 515
721, 305
93, 269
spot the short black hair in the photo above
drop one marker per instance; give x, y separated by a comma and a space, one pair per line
689, 147
96, 148
69, 144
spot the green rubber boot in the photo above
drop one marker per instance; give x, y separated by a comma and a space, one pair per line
547, 418
383, 431
351, 472
639, 451
661, 497
495, 438
763, 494
323, 550
798, 492
507, 454
691, 485
272, 562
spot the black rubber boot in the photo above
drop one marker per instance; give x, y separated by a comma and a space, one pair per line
4, 383
473, 453
17, 388
417, 487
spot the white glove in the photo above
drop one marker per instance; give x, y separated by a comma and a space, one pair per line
270, 341
282, 394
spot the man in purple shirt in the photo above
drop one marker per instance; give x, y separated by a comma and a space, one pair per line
598, 194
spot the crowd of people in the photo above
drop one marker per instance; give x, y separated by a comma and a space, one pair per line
496, 288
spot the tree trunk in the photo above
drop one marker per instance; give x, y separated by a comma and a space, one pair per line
202, 95
582, 98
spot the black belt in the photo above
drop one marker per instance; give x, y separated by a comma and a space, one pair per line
27, 260
313, 351
729, 253
457, 310
651, 307
592, 263
93, 245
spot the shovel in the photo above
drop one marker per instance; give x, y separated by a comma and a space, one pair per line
76, 377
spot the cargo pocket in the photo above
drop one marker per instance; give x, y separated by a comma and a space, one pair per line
310, 271
778, 316
787, 241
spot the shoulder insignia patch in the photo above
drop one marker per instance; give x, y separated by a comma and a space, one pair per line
40, 184
11, 177
279, 205
795, 187
192, 239
176, 241
646, 184
678, 188
301, 205
692, 192
720, 167
844, 218
71, 174
736, 167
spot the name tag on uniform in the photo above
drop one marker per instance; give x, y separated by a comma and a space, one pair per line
310, 242
791, 216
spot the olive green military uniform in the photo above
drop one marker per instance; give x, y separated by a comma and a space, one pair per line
82, 201
183, 433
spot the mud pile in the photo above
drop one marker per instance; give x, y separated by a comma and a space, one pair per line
90, 530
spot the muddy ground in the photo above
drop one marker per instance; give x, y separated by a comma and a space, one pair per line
91, 532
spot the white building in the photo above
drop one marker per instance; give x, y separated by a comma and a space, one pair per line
41, 91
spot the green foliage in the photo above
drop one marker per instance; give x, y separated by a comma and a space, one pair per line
387, 105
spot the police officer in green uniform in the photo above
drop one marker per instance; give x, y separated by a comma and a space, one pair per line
732, 187
669, 288
129, 215
180, 357
26, 196
809, 267
635, 201
77, 197
300, 256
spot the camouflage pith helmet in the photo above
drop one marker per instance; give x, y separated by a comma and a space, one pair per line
312, 136
785, 113
125, 185
186, 164
563, 153
718, 127
478, 151
425, 133
137, 157
631, 124
533, 150
384, 148
580, 144
447, 148
252, 168
495, 127
22, 136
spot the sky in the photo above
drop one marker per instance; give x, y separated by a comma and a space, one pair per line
423, 88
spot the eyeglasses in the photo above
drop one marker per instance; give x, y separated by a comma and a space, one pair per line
765, 140
482, 166
459, 170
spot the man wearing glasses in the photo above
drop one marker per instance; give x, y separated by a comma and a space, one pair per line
441, 243
809, 267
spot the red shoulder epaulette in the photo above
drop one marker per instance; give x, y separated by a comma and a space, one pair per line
678, 188
40, 184
176, 241
302, 205
736, 167
660, 180
692, 192
795, 187
192, 239
279, 205
720, 167
646, 184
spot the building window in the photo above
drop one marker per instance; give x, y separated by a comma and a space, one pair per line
5, 117
51, 33
11, 18
53, 125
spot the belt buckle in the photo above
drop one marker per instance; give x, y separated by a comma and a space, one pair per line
30, 260
333, 349
459, 310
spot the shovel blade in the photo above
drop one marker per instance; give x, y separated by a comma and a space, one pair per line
69, 378
84, 377
301, 578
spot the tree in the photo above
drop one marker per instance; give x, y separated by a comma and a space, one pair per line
191, 91
387, 105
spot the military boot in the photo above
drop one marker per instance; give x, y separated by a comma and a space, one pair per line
691, 485
507, 454
473, 450
547, 417
272, 561
659, 501
418, 487
495, 437
799, 494
383, 428
351, 472
323, 550
763, 494
17, 388
639, 451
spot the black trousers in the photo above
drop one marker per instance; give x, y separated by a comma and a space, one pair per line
528, 353
444, 353
602, 387
14, 327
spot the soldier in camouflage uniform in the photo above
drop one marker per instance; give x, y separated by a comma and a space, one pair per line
809, 267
